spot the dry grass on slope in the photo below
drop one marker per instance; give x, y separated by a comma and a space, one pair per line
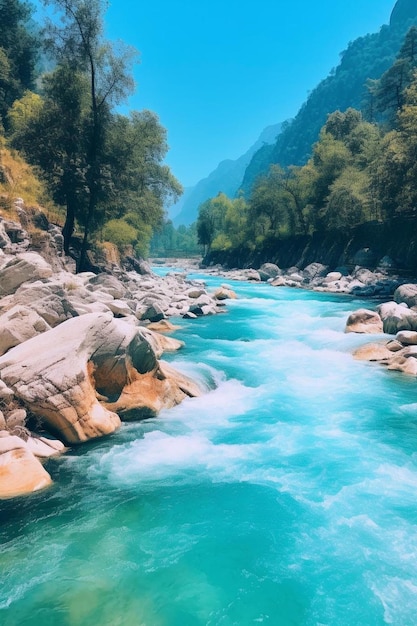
19, 180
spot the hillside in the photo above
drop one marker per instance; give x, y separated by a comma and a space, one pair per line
226, 178
365, 58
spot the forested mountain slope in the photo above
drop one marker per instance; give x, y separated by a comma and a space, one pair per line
365, 59
226, 178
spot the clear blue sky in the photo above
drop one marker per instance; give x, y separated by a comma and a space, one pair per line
217, 72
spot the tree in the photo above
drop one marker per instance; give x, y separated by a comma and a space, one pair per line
388, 92
211, 219
78, 42
205, 226
141, 183
51, 133
271, 205
18, 52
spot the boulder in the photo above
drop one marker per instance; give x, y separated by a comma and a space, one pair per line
146, 395
252, 275
16, 419
120, 308
407, 337
332, 277
405, 364
280, 281
18, 325
160, 343
406, 293
315, 270
224, 294
268, 271
22, 268
364, 321
394, 346
48, 300
21, 472
164, 326
61, 375
373, 352
51, 375
196, 292
397, 317
108, 284
44, 448
153, 313
6, 394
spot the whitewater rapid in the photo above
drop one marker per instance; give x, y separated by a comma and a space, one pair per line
285, 495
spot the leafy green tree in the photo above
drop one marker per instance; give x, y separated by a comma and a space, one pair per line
348, 200
389, 90
78, 42
51, 133
271, 206
18, 52
141, 183
211, 220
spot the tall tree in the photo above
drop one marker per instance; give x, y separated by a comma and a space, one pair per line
78, 41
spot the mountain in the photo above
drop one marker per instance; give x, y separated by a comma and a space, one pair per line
227, 178
365, 58
403, 11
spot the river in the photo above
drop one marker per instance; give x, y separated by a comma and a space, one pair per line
286, 495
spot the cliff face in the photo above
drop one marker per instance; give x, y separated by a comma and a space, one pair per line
365, 245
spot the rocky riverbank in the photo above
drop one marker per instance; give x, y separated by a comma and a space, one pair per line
359, 281
397, 318
80, 353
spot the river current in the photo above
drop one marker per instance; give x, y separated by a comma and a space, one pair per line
286, 495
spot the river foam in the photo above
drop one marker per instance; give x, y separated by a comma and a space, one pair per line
284, 495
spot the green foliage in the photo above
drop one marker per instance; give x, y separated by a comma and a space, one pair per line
389, 90
365, 59
171, 241
120, 233
106, 169
18, 52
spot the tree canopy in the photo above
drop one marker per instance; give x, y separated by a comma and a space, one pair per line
105, 168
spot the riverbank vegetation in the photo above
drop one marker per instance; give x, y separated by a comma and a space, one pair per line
104, 169
362, 169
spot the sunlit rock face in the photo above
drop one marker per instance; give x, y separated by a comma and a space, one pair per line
403, 11
78, 376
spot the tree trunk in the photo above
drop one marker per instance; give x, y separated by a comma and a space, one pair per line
68, 228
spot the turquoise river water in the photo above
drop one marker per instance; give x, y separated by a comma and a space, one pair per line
286, 495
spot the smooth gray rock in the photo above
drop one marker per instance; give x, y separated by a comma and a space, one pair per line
315, 270
396, 317
18, 325
24, 267
407, 337
406, 293
268, 271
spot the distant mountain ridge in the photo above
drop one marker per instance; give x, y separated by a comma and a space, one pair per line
226, 178
365, 58
404, 10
